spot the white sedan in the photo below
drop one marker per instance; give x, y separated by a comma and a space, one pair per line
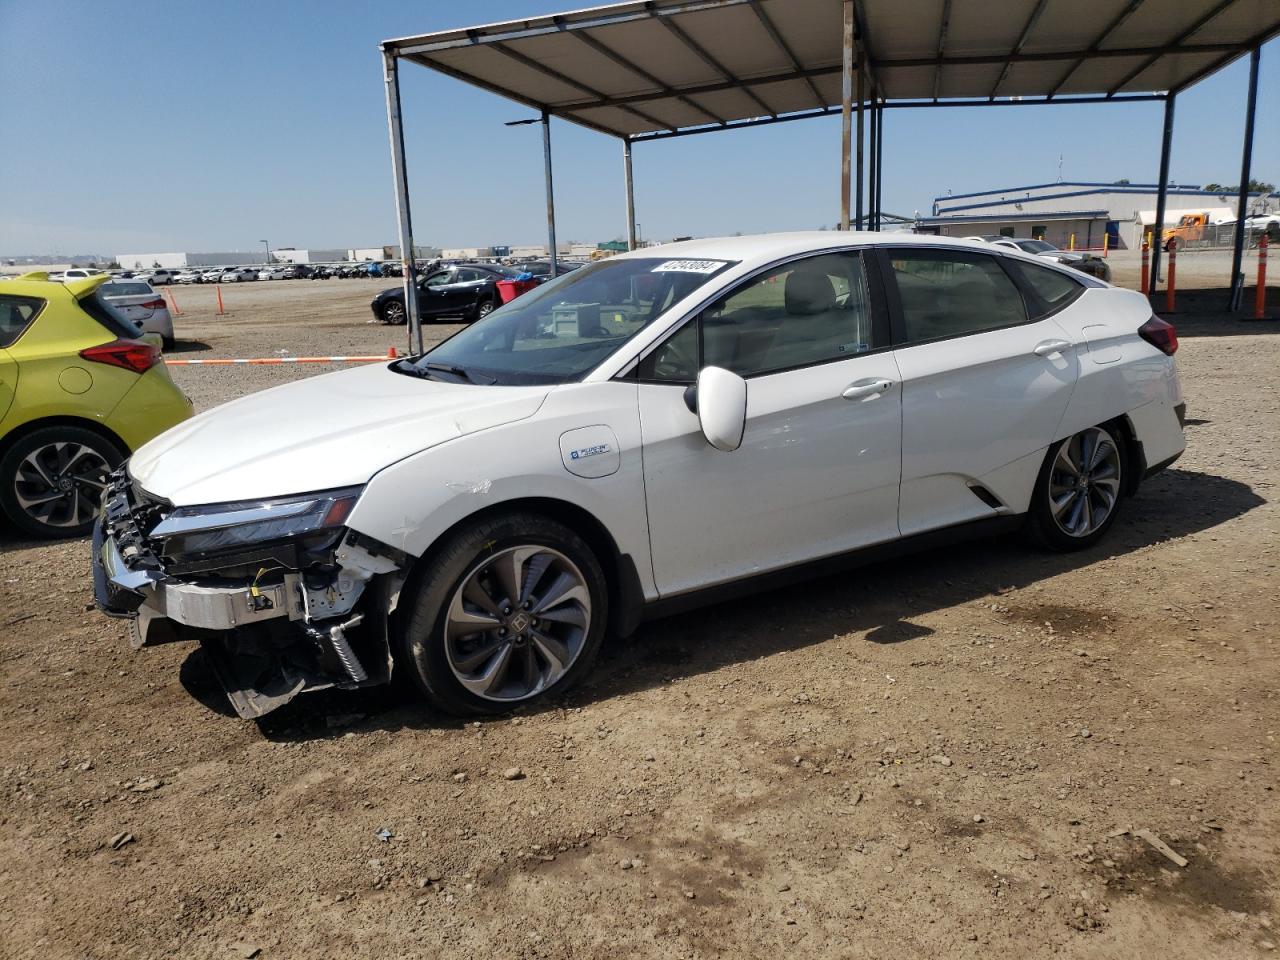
669, 424
238, 274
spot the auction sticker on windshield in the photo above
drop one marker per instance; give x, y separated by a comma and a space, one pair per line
689, 266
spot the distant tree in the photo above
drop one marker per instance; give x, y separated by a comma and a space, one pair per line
1123, 181
113, 265
1255, 186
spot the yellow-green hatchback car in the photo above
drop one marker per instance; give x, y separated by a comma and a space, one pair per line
79, 392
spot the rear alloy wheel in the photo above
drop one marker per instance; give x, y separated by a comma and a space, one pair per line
51, 482
1078, 490
483, 309
509, 611
393, 312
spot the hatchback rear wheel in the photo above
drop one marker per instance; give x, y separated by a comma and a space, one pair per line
51, 481
1079, 489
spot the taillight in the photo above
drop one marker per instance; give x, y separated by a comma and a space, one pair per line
156, 304
1160, 335
128, 354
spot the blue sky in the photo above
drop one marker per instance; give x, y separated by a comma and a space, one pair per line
155, 126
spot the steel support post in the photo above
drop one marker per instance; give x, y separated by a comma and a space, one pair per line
551, 196
631, 194
880, 171
846, 111
1157, 233
860, 171
871, 167
1242, 208
395, 129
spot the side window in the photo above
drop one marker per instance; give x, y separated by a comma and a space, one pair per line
16, 314
471, 276
438, 279
1054, 288
947, 293
802, 313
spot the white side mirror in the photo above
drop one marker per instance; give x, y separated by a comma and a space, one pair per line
722, 407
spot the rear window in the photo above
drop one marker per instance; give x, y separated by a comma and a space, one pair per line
117, 324
126, 289
1054, 288
16, 314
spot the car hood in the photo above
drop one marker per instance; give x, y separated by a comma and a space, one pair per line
329, 431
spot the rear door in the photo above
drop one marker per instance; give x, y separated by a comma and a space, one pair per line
984, 385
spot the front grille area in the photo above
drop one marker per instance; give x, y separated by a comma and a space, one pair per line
129, 514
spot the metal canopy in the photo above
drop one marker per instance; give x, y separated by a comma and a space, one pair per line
668, 67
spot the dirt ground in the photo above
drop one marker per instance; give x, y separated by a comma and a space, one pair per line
947, 756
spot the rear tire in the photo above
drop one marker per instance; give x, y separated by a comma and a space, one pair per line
51, 481
1079, 489
482, 310
508, 611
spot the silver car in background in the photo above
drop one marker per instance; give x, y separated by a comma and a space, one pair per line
140, 304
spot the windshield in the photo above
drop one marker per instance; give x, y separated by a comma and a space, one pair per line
1035, 246
562, 330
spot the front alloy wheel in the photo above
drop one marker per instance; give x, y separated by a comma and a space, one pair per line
393, 313
517, 623
1079, 489
507, 610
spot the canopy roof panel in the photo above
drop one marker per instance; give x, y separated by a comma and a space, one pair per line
665, 67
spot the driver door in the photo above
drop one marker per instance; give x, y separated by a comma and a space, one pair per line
818, 469
436, 292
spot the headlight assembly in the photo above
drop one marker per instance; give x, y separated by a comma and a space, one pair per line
227, 526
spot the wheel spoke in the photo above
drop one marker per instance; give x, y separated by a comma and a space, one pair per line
552, 650
1065, 462
572, 614
532, 675
475, 593
1060, 505
564, 588
480, 656
463, 621
1102, 450
28, 502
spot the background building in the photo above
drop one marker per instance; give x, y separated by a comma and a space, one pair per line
1056, 211
293, 255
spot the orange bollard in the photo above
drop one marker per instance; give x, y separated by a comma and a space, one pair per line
1072, 244
1146, 266
1260, 294
1106, 238
173, 302
391, 353
1173, 274
218, 290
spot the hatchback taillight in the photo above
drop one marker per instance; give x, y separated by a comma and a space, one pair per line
1160, 334
128, 354
156, 304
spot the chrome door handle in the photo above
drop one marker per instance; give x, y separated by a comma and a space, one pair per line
866, 389
1047, 348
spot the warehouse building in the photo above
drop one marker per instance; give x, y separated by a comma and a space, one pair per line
144, 261
1057, 212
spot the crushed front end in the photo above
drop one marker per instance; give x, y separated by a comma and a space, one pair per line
283, 597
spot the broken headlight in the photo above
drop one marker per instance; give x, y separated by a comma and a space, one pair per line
246, 523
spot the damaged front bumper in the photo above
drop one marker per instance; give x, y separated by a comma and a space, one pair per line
269, 632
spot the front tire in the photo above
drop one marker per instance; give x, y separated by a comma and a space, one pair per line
1079, 488
509, 610
393, 313
51, 481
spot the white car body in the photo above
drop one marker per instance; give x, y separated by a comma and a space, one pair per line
141, 305
239, 274
857, 450
273, 273
193, 275
76, 273
212, 275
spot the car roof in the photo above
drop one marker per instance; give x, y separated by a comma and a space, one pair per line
766, 247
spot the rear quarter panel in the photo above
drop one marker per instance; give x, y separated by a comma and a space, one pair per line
1120, 373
